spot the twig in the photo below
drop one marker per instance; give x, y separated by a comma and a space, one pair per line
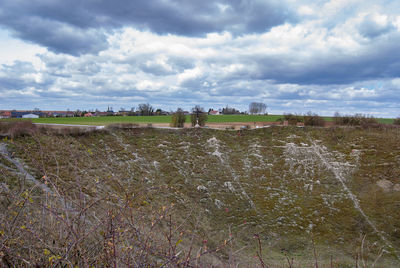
315, 252
259, 253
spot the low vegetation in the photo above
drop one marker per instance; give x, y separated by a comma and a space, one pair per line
292, 119
309, 119
145, 197
16, 128
314, 120
354, 120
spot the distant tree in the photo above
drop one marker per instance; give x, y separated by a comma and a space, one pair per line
158, 111
79, 113
178, 118
396, 121
229, 110
293, 119
132, 111
257, 108
198, 116
145, 109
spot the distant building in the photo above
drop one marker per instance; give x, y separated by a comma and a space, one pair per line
5, 114
212, 112
88, 115
30, 116
21, 114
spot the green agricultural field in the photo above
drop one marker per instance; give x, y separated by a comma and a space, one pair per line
103, 120
242, 118
106, 120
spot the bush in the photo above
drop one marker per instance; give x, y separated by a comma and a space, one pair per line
354, 120
396, 121
178, 118
202, 119
293, 119
311, 119
17, 128
122, 126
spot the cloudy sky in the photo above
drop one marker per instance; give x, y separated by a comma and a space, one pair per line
293, 55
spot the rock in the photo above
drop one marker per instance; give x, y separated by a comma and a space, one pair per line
385, 185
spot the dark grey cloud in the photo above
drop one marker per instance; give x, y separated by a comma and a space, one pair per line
379, 60
78, 27
58, 36
372, 28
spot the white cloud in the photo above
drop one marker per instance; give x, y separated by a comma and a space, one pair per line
12, 49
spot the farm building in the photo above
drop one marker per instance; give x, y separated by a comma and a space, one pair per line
21, 114
30, 116
212, 112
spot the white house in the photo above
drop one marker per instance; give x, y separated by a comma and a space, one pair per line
30, 116
212, 112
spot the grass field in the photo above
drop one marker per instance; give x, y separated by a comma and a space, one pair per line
105, 120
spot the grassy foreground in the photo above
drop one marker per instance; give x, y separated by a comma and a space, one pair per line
201, 197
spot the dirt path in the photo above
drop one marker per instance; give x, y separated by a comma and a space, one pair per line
20, 169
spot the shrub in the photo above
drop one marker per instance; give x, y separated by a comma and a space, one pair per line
396, 121
122, 126
311, 119
293, 119
17, 128
354, 120
178, 118
202, 119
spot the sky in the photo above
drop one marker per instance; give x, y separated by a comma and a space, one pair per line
293, 55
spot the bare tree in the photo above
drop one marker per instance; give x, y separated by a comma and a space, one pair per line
198, 116
145, 109
229, 110
257, 108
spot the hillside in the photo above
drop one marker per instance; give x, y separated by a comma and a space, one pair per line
202, 197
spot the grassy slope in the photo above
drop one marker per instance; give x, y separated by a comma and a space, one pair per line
271, 182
